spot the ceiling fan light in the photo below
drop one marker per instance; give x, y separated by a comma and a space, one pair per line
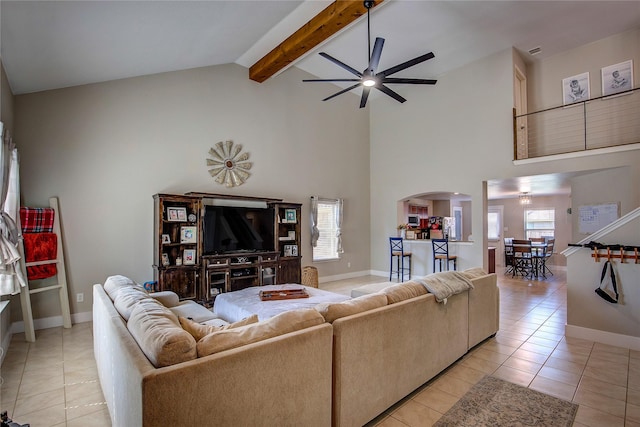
369, 82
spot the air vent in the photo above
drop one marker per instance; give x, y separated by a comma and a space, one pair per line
535, 50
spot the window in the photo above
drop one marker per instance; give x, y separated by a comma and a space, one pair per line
328, 246
493, 226
539, 223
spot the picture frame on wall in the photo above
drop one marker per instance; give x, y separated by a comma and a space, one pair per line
189, 257
188, 234
176, 214
617, 78
575, 89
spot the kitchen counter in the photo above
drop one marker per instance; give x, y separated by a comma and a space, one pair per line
422, 255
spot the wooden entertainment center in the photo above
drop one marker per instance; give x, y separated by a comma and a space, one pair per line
189, 260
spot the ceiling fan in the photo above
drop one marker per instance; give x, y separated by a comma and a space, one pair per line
369, 77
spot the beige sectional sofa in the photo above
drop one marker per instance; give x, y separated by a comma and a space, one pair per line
278, 381
344, 365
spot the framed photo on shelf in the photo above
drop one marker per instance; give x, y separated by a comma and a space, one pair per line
575, 89
290, 250
189, 257
411, 235
188, 234
176, 214
166, 239
617, 78
165, 259
290, 215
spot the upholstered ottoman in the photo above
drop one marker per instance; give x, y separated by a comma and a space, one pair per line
370, 289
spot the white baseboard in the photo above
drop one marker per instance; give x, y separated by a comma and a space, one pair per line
52, 322
325, 279
609, 338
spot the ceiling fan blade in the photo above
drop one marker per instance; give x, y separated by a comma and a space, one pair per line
375, 55
391, 93
331, 80
342, 91
365, 96
341, 64
409, 63
409, 81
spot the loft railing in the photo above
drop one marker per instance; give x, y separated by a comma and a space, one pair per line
606, 121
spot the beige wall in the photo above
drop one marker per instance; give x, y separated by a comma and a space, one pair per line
544, 78
105, 149
6, 100
460, 134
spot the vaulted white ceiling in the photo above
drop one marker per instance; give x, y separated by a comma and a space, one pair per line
54, 44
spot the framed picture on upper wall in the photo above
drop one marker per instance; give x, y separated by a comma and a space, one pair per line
575, 89
617, 78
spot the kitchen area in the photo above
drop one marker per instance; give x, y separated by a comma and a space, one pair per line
436, 216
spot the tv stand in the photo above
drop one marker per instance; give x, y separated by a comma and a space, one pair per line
180, 266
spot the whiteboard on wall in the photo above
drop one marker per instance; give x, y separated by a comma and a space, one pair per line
592, 218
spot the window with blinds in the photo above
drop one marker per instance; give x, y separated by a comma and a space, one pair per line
327, 247
539, 223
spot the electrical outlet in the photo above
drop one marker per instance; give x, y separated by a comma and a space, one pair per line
80, 297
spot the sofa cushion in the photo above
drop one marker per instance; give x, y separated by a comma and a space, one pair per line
335, 310
126, 298
473, 273
114, 283
192, 310
403, 291
159, 334
199, 330
166, 298
280, 324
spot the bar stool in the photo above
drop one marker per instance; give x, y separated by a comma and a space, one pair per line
441, 253
397, 250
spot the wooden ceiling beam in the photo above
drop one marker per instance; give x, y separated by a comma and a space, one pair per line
331, 20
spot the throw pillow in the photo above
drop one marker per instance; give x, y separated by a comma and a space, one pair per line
335, 310
199, 331
280, 324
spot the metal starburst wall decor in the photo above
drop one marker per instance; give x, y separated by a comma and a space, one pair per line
230, 165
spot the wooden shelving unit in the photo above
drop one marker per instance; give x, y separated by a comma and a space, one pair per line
177, 244
287, 241
178, 225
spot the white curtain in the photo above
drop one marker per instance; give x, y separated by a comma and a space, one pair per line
339, 209
315, 233
11, 278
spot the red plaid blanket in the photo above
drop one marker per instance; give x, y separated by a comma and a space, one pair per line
36, 220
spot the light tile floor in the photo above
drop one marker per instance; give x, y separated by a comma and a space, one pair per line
53, 382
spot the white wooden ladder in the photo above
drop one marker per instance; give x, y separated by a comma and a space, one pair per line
60, 278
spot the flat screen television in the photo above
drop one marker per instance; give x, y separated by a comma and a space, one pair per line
229, 229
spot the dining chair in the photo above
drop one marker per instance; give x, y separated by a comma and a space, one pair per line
523, 259
548, 252
441, 253
398, 255
508, 255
